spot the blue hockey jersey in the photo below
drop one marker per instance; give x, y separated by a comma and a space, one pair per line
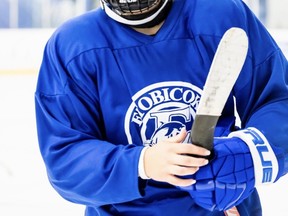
104, 91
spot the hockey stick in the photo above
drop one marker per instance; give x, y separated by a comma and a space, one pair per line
224, 71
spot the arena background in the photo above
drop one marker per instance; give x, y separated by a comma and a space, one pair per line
24, 187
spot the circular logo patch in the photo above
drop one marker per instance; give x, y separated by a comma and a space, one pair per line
161, 110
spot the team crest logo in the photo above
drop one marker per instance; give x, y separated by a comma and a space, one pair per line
161, 110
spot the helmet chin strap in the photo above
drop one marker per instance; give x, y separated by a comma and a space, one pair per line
120, 19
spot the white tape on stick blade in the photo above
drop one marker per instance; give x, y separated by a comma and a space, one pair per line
224, 71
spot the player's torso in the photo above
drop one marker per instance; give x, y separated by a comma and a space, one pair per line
149, 86
151, 91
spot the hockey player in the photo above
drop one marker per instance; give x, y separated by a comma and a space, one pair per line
116, 95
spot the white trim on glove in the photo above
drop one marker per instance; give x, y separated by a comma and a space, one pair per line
265, 162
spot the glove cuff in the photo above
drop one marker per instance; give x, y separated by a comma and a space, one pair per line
264, 160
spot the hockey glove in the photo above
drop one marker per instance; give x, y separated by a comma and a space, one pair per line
242, 160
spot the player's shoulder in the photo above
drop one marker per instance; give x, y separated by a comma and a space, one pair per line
213, 18
211, 11
81, 34
215, 5
81, 28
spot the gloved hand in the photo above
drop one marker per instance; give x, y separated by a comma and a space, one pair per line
238, 165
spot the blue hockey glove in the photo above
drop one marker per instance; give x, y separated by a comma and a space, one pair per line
241, 161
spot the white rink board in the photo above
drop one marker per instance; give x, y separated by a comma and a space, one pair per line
24, 187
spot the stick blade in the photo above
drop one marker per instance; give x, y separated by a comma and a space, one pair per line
224, 71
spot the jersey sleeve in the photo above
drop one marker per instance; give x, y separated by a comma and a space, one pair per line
81, 165
262, 95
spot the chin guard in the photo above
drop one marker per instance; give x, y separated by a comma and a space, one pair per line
137, 13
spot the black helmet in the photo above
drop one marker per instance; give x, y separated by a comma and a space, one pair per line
137, 13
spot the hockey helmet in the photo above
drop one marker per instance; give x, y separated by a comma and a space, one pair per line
137, 13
